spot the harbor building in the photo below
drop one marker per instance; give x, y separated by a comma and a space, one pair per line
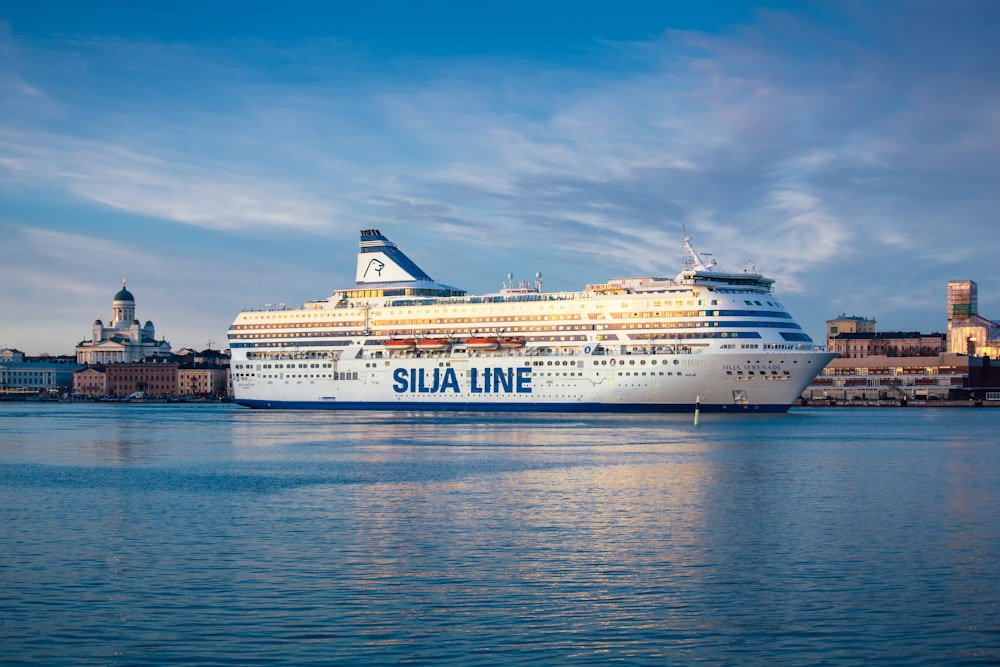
190, 374
960, 365
203, 374
968, 332
123, 340
203, 382
151, 378
855, 337
943, 377
90, 382
22, 379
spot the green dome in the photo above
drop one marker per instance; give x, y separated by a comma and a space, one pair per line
124, 294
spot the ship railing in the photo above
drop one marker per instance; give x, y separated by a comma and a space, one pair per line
487, 298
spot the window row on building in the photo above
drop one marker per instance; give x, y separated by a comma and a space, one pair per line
151, 380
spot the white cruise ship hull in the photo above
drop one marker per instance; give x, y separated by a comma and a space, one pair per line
520, 382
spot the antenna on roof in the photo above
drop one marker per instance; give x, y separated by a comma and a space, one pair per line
695, 260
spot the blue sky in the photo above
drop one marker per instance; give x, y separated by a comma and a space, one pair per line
224, 156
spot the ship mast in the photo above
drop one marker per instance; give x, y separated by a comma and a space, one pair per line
695, 260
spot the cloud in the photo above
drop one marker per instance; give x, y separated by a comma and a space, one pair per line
824, 143
204, 195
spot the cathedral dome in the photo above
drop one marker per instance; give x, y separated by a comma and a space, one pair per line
123, 294
98, 321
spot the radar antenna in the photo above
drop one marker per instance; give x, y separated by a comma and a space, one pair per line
695, 260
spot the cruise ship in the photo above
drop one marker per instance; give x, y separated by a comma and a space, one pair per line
399, 340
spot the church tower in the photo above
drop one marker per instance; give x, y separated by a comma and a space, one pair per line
123, 307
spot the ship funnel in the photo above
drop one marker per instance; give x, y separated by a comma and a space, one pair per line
380, 261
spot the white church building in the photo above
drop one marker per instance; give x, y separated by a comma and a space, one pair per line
123, 340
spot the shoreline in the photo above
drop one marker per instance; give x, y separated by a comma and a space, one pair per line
888, 403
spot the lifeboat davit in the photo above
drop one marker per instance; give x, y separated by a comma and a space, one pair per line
511, 342
482, 343
433, 344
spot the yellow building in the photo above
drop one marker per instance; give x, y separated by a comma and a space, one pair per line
847, 324
203, 381
968, 333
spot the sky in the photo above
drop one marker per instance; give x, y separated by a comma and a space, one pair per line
223, 156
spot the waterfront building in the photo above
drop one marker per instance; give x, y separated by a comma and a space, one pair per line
968, 332
36, 376
962, 364
203, 374
203, 382
945, 377
855, 337
887, 343
154, 378
200, 374
90, 382
123, 340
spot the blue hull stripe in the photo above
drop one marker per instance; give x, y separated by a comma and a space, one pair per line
508, 407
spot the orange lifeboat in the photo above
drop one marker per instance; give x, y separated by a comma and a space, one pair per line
511, 342
433, 344
400, 344
482, 343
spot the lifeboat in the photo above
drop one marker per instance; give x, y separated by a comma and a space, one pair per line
482, 343
511, 342
400, 344
433, 344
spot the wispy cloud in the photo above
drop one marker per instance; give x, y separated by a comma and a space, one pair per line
144, 184
825, 145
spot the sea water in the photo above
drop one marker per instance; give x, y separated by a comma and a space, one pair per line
213, 534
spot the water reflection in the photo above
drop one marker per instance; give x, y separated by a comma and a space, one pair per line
193, 535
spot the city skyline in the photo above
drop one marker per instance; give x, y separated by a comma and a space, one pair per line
225, 157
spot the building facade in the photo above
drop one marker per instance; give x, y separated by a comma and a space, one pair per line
152, 379
887, 344
124, 340
192, 374
944, 377
968, 332
36, 376
963, 364
847, 324
203, 382
90, 382
10, 354
855, 337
